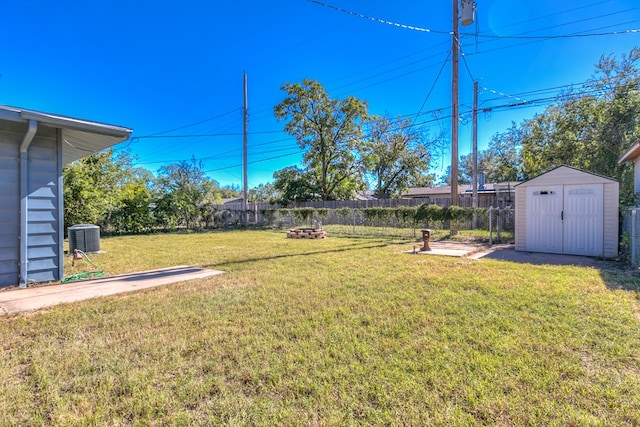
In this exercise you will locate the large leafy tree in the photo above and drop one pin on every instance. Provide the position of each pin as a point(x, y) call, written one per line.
point(394, 154)
point(591, 128)
point(501, 162)
point(328, 130)
point(91, 189)
point(107, 190)
point(293, 184)
point(185, 193)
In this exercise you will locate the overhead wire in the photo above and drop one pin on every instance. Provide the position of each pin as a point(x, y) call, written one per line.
point(358, 84)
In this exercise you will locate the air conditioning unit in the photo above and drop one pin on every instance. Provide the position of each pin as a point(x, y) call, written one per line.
point(85, 237)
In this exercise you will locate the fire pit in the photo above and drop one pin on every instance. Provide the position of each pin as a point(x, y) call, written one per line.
point(306, 233)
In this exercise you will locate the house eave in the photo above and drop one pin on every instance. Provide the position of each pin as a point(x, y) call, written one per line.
point(81, 137)
point(631, 155)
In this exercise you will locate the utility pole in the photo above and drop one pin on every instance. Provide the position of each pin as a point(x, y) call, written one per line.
point(468, 7)
point(475, 154)
point(455, 53)
point(245, 191)
point(475, 144)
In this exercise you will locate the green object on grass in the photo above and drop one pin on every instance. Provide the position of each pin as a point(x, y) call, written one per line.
point(83, 276)
point(86, 275)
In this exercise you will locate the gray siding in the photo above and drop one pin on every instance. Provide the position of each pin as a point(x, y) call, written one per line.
point(9, 208)
point(43, 217)
point(44, 193)
point(631, 225)
point(611, 219)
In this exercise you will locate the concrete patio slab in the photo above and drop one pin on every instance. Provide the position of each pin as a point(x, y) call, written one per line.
point(30, 299)
point(448, 249)
point(507, 252)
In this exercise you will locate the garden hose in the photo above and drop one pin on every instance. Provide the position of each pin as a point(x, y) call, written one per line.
point(78, 254)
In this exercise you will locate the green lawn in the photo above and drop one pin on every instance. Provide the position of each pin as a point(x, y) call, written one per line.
point(342, 331)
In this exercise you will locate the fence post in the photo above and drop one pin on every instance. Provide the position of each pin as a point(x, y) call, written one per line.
point(632, 240)
point(490, 225)
point(353, 212)
point(498, 225)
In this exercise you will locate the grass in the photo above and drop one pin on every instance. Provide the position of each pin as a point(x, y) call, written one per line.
point(342, 331)
point(478, 236)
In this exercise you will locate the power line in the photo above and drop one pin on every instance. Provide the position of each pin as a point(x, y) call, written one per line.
point(432, 87)
point(382, 21)
point(427, 30)
point(191, 124)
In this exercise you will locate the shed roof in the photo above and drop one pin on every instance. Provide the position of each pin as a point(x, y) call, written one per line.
point(564, 171)
point(80, 137)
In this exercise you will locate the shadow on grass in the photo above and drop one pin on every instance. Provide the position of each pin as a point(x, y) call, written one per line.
point(616, 275)
point(357, 247)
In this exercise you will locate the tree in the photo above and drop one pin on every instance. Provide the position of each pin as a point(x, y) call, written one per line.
point(90, 189)
point(394, 153)
point(588, 129)
point(184, 190)
point(328, 130)
point(264, 193)
point(293, 185)
point(135, 198)
point(445, 179)
point(585, 131)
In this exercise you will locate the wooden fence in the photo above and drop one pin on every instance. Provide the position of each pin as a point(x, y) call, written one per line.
point(265, 214)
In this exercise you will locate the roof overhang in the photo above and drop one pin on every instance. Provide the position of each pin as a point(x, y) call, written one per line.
point(631, 155)
point(80, 138)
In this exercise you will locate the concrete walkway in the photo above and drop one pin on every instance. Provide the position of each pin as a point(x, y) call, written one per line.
point(30, 299)
point(507, 252)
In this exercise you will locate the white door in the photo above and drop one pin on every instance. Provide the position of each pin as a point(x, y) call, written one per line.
point(583, 219)
point(544, 219)
point(565, 219)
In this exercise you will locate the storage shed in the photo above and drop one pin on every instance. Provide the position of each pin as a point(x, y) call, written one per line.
point(34, 146)
point(568, 211)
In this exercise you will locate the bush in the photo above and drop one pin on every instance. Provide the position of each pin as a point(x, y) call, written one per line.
point(303, 214)
point(406, 215)
point(457, 213)
point(344, 212)
point(428, 213)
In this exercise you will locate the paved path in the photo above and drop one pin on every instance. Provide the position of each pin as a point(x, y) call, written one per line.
point(507, 252)
point(19, 300)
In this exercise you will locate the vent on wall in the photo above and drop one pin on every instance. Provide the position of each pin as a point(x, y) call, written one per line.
point(85, 237)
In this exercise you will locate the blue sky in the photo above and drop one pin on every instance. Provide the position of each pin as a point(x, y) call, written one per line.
point(173, 71)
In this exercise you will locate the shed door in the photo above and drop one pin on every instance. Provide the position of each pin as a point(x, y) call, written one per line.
point(544, 219)
point(565, 219)
point(583, 219)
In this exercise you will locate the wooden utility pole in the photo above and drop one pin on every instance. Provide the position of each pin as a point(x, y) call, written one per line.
point(475, 144)
point(245, 190)
point(474, 200)
point(455, 48)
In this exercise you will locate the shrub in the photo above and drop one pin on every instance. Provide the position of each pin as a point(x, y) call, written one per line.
point(428, 213)
point(406, 215)
point(303, 214)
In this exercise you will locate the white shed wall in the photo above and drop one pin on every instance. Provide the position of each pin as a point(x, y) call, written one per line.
point(565, 175)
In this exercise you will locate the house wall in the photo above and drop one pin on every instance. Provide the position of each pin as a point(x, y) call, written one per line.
point(44, 226)
point(636, 176)
point(611, 219)
point(44, 205)
point(9, 207)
